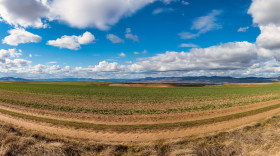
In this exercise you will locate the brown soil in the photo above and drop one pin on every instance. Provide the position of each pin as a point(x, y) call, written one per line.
point(144, 136)
point(248, 84)
point(135, 119)
point(96, 103)
point(141, 85)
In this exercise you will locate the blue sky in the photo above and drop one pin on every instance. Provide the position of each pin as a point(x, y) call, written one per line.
point(138, 38)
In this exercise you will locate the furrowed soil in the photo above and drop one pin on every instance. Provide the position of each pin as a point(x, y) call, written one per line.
point(145, 100)
point(258, 139)
point(135, 119)
point(156, 113)
point(144, 135)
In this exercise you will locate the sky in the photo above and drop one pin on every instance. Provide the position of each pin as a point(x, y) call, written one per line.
point(104, 39)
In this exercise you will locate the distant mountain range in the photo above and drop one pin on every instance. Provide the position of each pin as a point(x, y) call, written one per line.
point(196, 79)
point(13, 79)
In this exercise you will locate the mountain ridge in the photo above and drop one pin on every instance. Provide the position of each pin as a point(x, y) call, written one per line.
point(187, 79)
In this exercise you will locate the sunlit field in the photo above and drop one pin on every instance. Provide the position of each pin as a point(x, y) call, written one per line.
point(88, 98)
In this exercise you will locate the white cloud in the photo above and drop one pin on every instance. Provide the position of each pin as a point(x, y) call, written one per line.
point(230, 59)
point(136, 53)
point(5, 54)
point(223, 57)
point(18, 36)
point(30, 55)
point(104, 66)
point(269, 37)
point(188, 45)
point(243, 29)
point(122, 55)
point(7, 61)
point(114, 39)
point(236, 58)
point(72, 42)
point(129, 35)
point(87, 38)
point(16, 63)
point(207, 23)
point(100, 14)
point(23, 13)
point(265, 12)
point(203, 25)
point(162, 10)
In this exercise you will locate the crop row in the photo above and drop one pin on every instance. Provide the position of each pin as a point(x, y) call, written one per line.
point(130, 111)
point(122, 128)
point(141, 93)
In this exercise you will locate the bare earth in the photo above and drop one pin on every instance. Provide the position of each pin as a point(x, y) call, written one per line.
point(135, 119)
point(144, 135)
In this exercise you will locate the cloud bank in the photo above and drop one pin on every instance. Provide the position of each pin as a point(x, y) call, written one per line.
point(101, 14)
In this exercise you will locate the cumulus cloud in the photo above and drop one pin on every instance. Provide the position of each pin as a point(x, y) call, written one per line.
point(203, 25)
point(5, 54)
point(130, 36)
point(19, 35)
point(230, 59)
point(225, 56)
point(114, 39)
point(23, 13)
point(230, 56)
point(72, 42)
point(236, 58)
point(265, 12)
point(9, 59)
point(269, 37)
point(100, 14)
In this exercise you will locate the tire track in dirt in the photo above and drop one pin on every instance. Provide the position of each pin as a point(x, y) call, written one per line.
point(136, 136)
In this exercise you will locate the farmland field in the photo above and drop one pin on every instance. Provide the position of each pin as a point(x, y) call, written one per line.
point(84, 97)
point(134, 112)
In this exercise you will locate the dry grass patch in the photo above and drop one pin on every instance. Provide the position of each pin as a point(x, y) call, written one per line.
point(255, 139)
